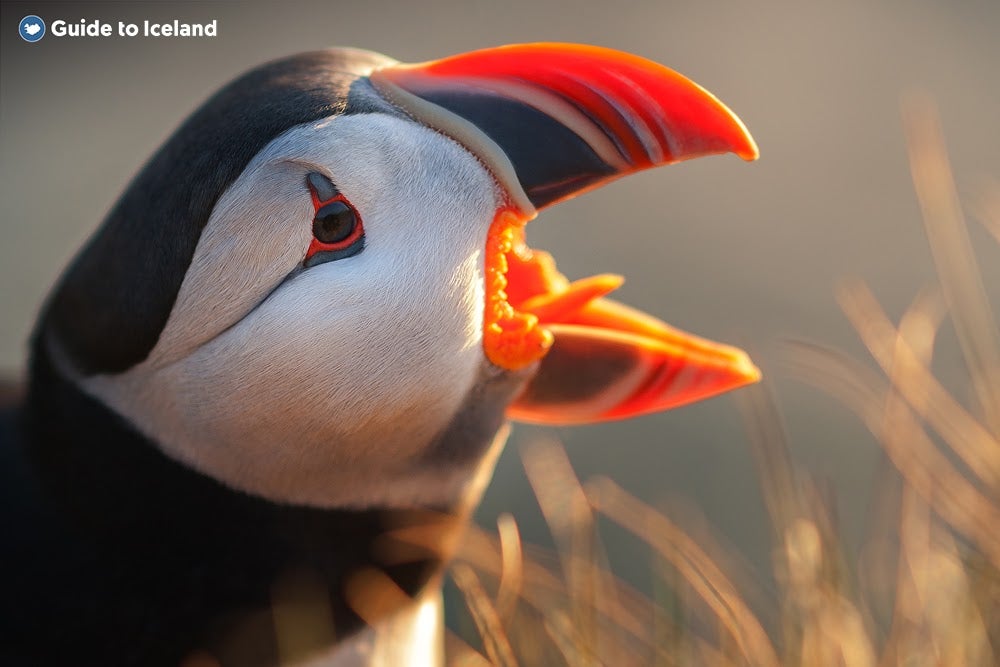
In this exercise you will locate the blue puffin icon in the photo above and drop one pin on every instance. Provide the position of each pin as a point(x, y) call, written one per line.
point(31, 28)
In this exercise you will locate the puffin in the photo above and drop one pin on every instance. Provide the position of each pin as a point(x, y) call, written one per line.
point(303, 330)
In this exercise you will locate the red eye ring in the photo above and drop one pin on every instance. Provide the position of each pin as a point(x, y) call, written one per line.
point(335, 217)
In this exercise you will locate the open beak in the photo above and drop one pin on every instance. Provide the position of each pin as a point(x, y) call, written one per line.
point(552, 121)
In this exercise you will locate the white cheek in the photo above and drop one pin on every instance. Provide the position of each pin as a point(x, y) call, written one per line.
point(328, 391)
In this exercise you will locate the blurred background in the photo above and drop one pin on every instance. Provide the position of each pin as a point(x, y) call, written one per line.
point(745, 253)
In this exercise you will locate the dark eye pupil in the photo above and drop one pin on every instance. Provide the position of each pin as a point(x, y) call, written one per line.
point(334, 222)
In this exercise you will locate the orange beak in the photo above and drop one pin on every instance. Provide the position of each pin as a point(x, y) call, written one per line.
point(552, 121)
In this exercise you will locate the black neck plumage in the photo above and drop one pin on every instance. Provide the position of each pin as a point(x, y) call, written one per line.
point(153, 550)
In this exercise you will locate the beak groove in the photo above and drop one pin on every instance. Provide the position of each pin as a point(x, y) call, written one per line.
point(554, 120)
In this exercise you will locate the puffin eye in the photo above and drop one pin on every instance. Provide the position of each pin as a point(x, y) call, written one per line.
point(337, 229)
point(334, 222)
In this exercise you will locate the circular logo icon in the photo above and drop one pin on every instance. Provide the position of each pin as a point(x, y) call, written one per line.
point(31, 28)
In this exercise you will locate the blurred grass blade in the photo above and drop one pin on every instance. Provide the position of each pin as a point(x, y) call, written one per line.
point(974, 444)
point(543, 590)
point(783, 500)
point(933, 594)
point(425, 535)
point(907, 445)
point(906, 637)
point(956, 263)
point(698, 570)
point(909, 357)
point(937, 620)
point(373, 595)
point(512, 574)
point(491, 629)
point(560, 629)
point(987, 209)
point(404, 626)
point(818, 621)
point(771, 456)
point(568, 515)
point(460, 654)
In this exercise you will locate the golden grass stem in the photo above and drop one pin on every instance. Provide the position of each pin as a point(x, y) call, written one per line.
point(987, 208)
point(567, 512)
point(911, 354)
point(907, 445)
point(951, 248)
point(973, 443)
point(771, 455)
point(460, 654)
point(512, 574)
point(712, 586)
point(628, 610)
point(485, 616)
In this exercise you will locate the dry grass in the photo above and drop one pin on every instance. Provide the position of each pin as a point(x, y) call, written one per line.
point(926, 590)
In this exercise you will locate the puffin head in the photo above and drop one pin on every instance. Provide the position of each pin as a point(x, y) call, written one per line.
point(318, 291)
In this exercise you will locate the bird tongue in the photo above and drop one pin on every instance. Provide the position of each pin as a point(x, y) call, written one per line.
point(598, 359)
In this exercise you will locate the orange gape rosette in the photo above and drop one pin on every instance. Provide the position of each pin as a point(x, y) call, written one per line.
point(511, 339)
point(524, 290)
